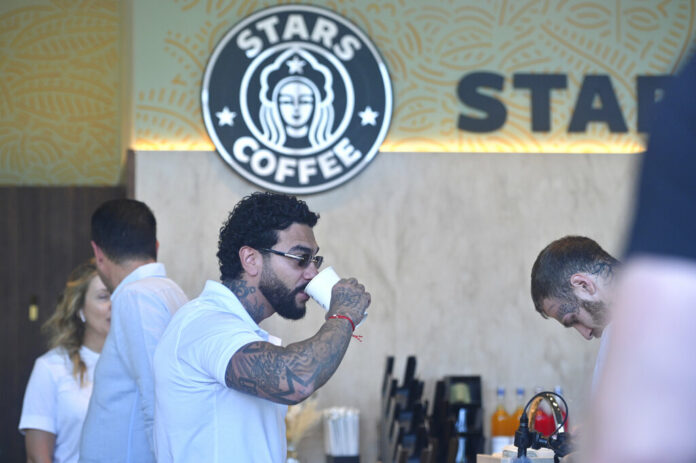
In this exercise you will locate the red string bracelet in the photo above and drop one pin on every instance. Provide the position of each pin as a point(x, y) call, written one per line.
point(352, 325)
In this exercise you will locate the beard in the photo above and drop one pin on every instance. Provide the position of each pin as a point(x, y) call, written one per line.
point(597, 310)
point(281, 298)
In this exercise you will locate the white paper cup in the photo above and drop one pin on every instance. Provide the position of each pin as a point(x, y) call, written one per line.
point(320, 287)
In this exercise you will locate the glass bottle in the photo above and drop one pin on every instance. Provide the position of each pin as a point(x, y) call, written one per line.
point(499, 428)
point(514, 421)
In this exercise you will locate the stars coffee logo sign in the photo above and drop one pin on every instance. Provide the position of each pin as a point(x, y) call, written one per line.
point(296, 99)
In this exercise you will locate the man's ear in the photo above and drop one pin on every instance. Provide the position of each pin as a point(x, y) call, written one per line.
point(98, 253)
point(583, 283)
point(251, 259)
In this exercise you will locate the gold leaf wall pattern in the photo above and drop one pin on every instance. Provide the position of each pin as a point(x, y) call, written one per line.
point(430, 45)
point(59, 93)
point(59, 73)
point(169, 117)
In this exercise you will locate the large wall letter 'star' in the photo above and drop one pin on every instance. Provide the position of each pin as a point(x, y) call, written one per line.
point(296, 99)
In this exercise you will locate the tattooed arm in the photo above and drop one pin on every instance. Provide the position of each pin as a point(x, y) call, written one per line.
point(289, 375)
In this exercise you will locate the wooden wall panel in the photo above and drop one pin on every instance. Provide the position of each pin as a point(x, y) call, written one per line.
point(44, 234)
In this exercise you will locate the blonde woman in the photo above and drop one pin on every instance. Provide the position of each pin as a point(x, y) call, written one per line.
point(58, 392)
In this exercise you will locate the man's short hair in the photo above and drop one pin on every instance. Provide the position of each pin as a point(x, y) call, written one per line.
point(255, 222)
point(560, 260)
point(125, 229)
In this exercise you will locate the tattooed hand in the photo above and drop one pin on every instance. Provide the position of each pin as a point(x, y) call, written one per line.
point(349, 298)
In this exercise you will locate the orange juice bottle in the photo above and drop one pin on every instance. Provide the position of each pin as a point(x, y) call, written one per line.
point(500, 436)
point(514, 421)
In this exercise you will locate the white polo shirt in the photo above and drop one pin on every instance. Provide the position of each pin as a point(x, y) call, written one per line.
point(56, 402)
point(601, 357)
point(197, 417)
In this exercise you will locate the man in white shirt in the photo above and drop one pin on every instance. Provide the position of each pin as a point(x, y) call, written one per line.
point(222, 387)
point(572, 282)
point(119, 422)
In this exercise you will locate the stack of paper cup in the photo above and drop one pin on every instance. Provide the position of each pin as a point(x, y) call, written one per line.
point(342, 431)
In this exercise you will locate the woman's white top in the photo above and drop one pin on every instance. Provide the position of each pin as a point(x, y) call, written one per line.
point(55, 402)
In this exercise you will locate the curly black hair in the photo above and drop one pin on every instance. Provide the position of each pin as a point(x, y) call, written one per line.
point(255, 222)
point(562, 258)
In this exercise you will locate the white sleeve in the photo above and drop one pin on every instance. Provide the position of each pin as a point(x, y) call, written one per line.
point(210, 342)
point(39, 407)
point(142, 319)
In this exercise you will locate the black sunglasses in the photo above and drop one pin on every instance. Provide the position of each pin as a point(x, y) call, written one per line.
point(303, 260)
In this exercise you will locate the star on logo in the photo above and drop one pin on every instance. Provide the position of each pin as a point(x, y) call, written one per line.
point(226, 117)
point(368, 116)
point(295, 65)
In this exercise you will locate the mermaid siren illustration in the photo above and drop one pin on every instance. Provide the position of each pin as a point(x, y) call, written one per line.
point(297, 102)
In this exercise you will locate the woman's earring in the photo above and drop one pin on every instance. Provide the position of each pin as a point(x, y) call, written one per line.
point(82, 316)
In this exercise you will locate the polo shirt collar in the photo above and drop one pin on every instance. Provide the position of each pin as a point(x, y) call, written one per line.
point(221, 296)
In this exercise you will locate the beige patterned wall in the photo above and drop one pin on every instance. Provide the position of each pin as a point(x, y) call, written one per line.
point(429, 45)
point(60, 118)
point(59, 92)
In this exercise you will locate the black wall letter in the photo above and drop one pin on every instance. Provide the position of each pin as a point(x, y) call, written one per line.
point(608, 112)
point(494, 108)
point(540, 86)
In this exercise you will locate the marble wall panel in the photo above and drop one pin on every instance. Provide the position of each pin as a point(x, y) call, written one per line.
point(444, 243)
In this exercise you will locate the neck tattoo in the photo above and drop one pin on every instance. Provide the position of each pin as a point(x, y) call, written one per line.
point(245, 294)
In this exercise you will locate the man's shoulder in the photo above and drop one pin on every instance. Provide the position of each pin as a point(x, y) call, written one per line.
point(159, 297)
point(203, 316)
point(203, 308)
point(152, 286)
point(151, 281)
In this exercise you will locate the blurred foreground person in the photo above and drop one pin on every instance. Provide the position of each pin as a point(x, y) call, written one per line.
point(646, 403)
point(57, 395)
point(222, 384)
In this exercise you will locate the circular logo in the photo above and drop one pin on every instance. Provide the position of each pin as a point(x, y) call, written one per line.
point(296, 99)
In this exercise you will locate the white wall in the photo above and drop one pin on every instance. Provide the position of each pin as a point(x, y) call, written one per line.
point(443, 242)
